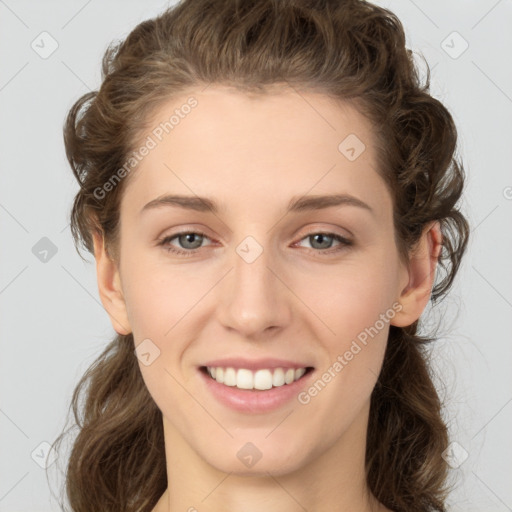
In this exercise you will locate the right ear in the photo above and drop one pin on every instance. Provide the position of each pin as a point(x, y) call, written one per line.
point(109, 286)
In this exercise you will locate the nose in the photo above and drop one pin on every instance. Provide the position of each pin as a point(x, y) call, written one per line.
point(253, 298)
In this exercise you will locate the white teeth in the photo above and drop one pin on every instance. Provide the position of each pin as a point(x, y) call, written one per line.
point(299, 372)
point(289, 376)
point(261, 379)
point(244, 379)
point(229, 377)
point(278, 377)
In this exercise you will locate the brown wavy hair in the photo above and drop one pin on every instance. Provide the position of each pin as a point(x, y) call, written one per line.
point(350, 50)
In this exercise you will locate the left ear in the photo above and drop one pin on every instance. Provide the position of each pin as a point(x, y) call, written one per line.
point(422, 270)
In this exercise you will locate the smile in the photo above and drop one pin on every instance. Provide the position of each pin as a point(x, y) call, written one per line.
point(262, 379)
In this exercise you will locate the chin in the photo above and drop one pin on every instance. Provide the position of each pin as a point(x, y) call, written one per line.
point(258, 458)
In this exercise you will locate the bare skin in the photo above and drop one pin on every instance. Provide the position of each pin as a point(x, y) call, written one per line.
point(298, 299)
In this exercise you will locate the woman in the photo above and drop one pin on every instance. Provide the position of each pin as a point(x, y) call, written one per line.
point(270, 194)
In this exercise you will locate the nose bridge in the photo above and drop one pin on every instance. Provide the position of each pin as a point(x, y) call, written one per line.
point(253, 299)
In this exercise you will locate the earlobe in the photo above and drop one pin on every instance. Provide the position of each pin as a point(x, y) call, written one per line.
point(109, 286)
point(421, 272)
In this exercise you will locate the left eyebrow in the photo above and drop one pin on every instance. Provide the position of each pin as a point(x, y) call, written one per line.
point(296, 204)
point(319, 202)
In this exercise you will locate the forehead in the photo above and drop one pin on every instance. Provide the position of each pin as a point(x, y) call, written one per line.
point(252, 147)
point(225, 115)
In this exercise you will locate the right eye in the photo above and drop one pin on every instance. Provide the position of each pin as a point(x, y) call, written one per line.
point(184, 238)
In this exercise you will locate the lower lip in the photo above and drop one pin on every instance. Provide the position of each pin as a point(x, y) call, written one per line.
point(255, 401)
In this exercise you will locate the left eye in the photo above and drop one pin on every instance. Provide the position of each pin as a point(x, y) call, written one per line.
point(321, 238)
point(193, 240)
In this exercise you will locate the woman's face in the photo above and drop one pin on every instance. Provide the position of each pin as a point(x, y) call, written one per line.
point(258, 288)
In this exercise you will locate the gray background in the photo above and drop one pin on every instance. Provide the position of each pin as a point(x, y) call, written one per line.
point(53, 325)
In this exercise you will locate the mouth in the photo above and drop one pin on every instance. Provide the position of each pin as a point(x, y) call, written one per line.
point(255, 386)
point(263, 379)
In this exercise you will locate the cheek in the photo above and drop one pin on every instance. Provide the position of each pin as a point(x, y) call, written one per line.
point(357, 311)
point(159, 295)
point(356, 302)
point(352, 296)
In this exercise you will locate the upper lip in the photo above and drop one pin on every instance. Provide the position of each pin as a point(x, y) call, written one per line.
point(255, 364)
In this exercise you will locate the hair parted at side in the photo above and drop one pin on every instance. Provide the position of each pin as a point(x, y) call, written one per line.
point(351, 50)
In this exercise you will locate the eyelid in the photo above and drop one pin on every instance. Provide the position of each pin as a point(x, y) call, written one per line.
point(184, 230)
point(313, 229)
point(331, 234)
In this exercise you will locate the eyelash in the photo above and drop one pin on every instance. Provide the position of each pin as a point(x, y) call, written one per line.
point(344, 243)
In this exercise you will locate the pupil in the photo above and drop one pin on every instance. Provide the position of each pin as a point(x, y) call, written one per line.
point(321, 237)
point(189, 238)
